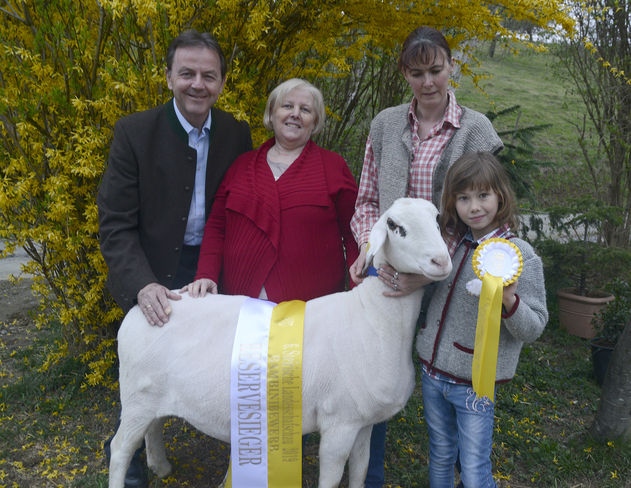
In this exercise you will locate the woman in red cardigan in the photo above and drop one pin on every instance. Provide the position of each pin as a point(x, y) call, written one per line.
point(279, 227)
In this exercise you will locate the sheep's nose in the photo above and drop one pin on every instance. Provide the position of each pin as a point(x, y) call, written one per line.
point(441, 261)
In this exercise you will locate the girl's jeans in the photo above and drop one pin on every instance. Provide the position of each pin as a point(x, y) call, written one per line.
point(460, 426)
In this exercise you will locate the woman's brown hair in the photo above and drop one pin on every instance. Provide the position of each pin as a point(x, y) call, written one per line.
point(422, 46)
point(479, 170)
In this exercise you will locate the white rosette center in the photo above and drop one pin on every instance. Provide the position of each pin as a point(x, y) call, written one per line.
point(498, 257)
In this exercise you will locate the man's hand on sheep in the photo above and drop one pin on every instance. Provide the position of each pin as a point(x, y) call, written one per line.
point(358, 266)
point(200, 287)
point(153, 300)
point(401, 283)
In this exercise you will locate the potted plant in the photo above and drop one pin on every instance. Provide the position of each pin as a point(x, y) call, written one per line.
point(580, 303)
point(584, 262)
point(609, 324)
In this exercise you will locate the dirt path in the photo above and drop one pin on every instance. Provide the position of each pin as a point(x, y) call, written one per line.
point(15, 299)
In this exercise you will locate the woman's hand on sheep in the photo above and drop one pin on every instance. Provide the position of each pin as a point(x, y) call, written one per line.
point(401, 283)
point(358, 266)
point(199, 288)
point(153, 300)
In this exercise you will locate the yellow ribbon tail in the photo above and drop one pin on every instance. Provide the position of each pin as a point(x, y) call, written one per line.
point(228, 483)
point(487, 337)
point(284, 395)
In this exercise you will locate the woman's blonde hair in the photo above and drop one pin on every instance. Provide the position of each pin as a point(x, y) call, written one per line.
point(478, 170)
point(281, 91)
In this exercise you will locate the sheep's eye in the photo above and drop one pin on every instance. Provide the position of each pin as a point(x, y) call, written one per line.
point(399, 229)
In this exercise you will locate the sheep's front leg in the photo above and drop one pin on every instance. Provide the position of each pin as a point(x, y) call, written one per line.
point(360, 455)
point(156, 455)
point(335, 446)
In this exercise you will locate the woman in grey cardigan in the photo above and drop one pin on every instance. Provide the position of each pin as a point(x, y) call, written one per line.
point(408, 151)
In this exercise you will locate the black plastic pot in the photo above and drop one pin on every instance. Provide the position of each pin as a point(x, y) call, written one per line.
point(601, 353)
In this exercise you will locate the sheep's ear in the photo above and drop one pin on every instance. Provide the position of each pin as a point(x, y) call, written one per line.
point(377, 238)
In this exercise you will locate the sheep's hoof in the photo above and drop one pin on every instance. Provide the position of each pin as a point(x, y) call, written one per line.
point(223, 483)
point(162, 470)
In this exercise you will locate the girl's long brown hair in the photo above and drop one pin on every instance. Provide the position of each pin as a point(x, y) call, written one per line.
point(478, 170)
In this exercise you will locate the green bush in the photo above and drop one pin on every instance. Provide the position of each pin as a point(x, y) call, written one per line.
point(565, 264)
point(612, 320)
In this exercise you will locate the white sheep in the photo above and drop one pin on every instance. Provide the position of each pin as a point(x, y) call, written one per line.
point(357, 357)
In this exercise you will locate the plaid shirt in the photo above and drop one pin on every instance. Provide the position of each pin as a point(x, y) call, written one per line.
point(427, 152)
point(454, 241)
point(505, 233)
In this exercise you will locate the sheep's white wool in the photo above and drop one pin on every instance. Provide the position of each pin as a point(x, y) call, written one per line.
point(357, 357)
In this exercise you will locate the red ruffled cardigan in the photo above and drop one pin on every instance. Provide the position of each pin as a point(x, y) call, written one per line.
point(291, 235)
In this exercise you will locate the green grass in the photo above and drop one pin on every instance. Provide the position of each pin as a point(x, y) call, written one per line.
point(532, 81)
point(49, 427)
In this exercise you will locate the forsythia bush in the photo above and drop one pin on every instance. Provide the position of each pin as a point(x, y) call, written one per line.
point(69, 69)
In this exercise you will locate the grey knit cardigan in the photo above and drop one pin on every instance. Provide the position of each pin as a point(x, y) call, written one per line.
point(445, 342)
point(391, 137)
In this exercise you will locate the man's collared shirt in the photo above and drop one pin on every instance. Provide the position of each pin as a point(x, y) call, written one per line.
point(200, 141)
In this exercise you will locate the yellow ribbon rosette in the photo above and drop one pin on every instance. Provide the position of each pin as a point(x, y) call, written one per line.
point(498, 263)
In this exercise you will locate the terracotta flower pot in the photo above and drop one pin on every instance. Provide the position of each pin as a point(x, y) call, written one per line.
point(576, 312)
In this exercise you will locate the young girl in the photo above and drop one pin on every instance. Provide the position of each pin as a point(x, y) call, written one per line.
point(477, 204)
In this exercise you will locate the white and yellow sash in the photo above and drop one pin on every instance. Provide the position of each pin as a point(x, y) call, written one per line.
point(266, 396)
